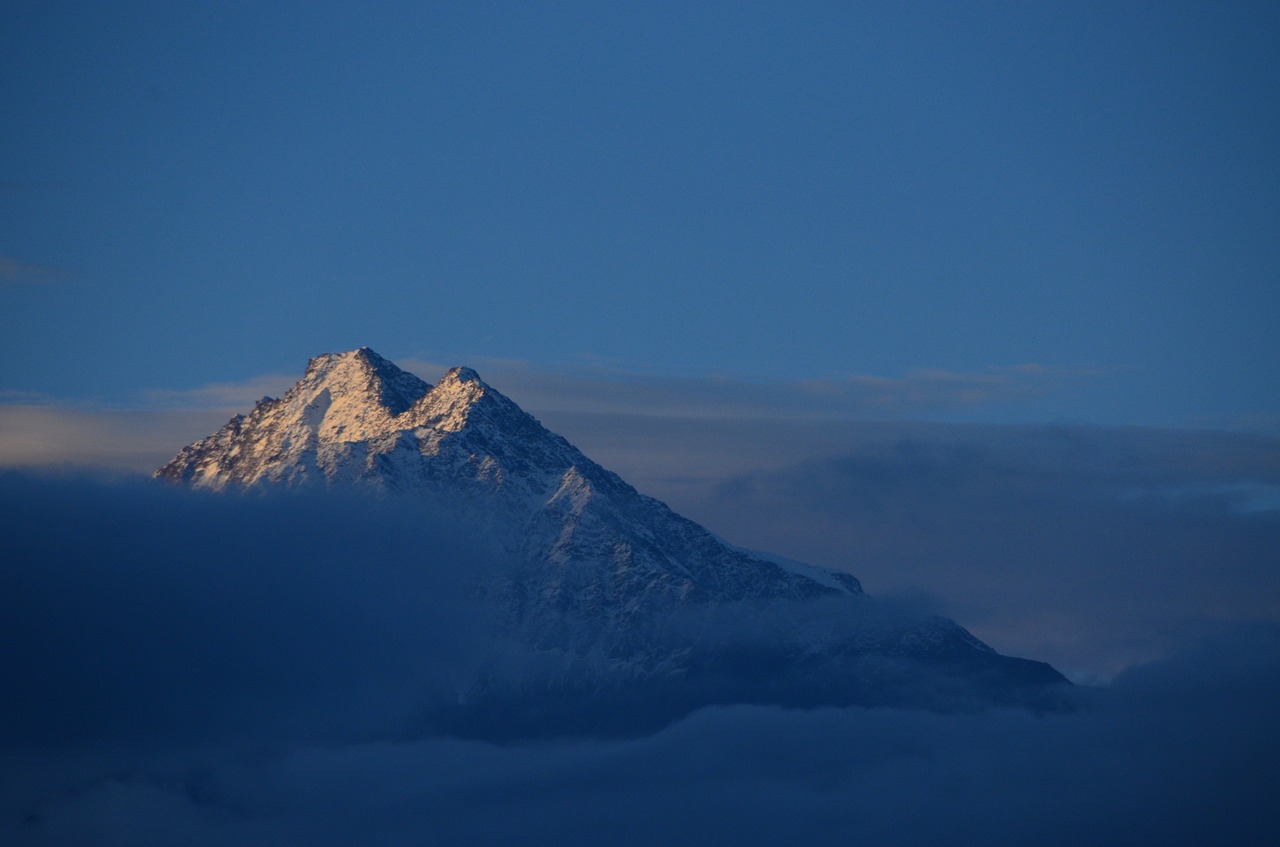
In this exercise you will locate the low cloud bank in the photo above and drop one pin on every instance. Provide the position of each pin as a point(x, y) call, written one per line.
point(1091, 549)
point(238, 670)
point(135, 609)
point(117, 441)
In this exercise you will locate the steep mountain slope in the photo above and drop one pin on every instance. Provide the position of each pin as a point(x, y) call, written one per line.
point(357, 419)
point(624, 590)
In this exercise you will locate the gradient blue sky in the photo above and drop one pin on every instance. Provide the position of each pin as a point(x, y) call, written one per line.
point(793, 268)
point(193, 193)
point(728, 250)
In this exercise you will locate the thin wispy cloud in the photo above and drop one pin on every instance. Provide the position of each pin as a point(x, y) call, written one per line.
point(38, 436)
point(223, 394)
point(38, 431)
point(919, 393)
point(9, 395)
point(936, 390)
point(13, 271)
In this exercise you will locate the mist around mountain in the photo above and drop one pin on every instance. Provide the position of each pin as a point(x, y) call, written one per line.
point(628, 615)
point(289, 664)
point(190, 668)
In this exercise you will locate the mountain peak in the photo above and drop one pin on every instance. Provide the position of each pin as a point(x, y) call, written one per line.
point(598, 569)
point(328, 362)
point(364, 377)
point(357, 419)
point(461, 399)
point(463, 374)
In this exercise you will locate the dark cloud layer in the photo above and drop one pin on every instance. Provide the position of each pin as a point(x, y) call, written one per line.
point(1087, 547)
point(138, 609)
point(208, 671)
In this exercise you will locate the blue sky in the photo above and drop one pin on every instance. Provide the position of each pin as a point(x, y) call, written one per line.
point(746, 255)
point(977, 301)
point(202, 193)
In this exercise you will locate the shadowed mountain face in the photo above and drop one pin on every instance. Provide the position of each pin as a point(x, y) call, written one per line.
point(622, 614)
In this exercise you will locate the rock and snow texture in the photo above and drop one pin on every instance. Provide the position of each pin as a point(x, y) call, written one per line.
point(357, 419)
point(600, 567)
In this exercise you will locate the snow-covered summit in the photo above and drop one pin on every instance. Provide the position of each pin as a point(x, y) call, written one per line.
point(599, 565)
point(363, 373)
point(357, 419)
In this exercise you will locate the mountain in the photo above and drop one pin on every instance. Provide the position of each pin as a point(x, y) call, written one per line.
point(645, 613)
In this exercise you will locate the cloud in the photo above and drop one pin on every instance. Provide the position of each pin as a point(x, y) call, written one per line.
point(239, 396)
point(603, 408)
point(117, 440)
point(1138, 769)
point(1092, 549)
point(215, 670)
point(611, 391)
point(147, 616)
point(38, 432)
point(12, 271)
